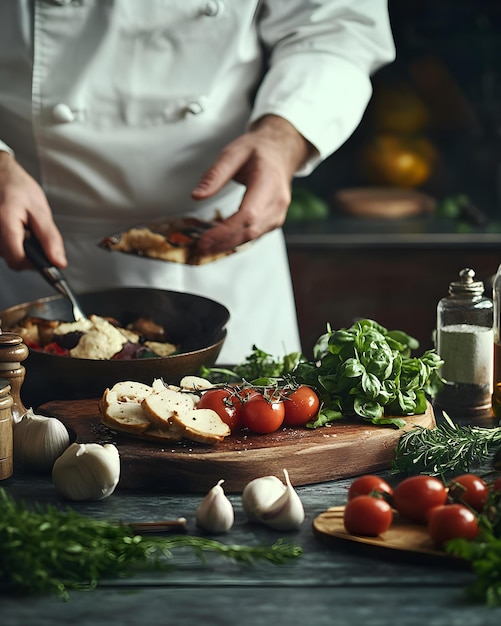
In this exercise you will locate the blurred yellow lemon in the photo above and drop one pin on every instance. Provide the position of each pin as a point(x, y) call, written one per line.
point(398, 160)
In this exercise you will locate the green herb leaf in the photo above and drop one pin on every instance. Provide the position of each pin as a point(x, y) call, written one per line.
point(53, 551)
point(443, 450)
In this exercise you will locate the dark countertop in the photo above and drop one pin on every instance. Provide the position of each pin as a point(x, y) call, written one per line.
point(426, 231)
point(327, 585)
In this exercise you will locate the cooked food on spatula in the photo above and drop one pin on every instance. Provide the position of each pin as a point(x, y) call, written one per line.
point(173, 239)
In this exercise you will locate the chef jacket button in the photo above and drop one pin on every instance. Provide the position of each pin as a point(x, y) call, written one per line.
point(213, 8)
point(62, 113)
point(196, 106)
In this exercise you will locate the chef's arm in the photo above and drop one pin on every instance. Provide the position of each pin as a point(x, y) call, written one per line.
point(322, 54)
point(23, 205)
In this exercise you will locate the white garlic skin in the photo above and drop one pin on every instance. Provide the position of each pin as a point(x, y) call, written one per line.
point(87, 471)
point(268, 501)
point(215, 512)
point(38, 441)
point(287, 513)
point(259, 495)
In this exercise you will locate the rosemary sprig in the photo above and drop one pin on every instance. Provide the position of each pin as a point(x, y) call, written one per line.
point(53, 551)
point(443, 450)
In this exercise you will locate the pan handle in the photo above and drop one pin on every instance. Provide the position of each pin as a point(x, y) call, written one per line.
point(52, 274)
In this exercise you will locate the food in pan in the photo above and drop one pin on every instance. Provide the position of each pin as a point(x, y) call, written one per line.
point(172, 240)
point(96, 338)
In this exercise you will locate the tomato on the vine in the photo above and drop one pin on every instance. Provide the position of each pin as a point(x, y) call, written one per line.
point(262, 415)
point(367, 515)
point(469, 489)
point(414, 497)
point(368, 484)
point(452, 521)
point(301, 406)
point(225, 403)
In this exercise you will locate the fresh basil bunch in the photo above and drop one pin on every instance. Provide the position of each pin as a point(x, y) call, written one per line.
point(368, 371)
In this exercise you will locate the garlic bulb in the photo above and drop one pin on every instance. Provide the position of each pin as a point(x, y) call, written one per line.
point(87, 471)
point(38, 441)
point(215, 512)
point(259, 495)
point(268, 501)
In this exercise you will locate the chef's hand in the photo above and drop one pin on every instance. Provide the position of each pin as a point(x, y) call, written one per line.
point(264, 159)
point(23, 205)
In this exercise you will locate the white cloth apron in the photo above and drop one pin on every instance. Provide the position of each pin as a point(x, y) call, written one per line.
point(118, 108)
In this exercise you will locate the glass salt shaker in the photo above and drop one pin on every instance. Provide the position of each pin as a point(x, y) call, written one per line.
point(465, 342)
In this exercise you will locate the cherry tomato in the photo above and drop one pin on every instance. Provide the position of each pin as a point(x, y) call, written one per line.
point(225, 403)
point(367, 515)
point(301, 405)
point(469, 489)
point(367, 485)
point(414, 497)
point(451, 521)
point(261, 415)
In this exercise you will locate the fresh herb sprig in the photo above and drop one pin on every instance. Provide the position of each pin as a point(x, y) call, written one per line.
point(484, 553)
point(257, 365)
point(47, 550)
point(443, 450)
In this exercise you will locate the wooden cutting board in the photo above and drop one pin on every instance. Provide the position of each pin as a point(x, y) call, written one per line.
point(346, 449)
point(403, 539)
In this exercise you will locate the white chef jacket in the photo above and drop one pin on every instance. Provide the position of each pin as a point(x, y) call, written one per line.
point(117, 108)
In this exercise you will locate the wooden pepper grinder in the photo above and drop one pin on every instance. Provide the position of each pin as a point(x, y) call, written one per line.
point(12, 351)
point(6, 431)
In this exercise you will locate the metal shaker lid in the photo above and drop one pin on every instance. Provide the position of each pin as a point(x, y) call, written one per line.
point(466, 286)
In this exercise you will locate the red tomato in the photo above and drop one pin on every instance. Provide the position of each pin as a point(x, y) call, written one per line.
point(469, 489)
point(366, 515)
point(301, 405)
point(261, 415)
point(225, 403)
point(452, 521)
point(414, 497)
point(368, 484)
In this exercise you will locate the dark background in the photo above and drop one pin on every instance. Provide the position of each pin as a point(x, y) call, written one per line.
point(346, 267)
point(449, 55)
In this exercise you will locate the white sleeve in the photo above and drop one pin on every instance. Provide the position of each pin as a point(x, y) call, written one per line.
point(322, 54)
point(5, 148)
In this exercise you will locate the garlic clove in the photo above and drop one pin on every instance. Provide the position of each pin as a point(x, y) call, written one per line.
point(286, 513)
point(268, 501)
point(260, 494)
point(38, 441)
point(87, 471)
point(215, 512)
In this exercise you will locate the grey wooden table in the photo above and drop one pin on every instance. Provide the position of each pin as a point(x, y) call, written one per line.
point(327, 585)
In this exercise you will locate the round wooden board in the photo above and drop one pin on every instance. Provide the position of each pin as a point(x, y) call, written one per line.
point(402, 539)
point(383, 202)
point(347, 448)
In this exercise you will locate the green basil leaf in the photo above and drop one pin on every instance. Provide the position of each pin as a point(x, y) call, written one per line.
point(352, 368)
point(367, 408)
point(371, 385)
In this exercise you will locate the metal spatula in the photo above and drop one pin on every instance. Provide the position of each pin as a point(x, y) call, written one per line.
point(52, 274)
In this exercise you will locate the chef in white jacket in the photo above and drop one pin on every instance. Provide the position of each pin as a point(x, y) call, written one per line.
point(118, 112)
